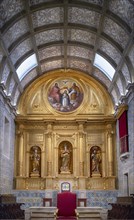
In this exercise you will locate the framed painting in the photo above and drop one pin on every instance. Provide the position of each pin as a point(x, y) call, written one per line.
point(47, 202)
point(82, 202)
point(65, 95)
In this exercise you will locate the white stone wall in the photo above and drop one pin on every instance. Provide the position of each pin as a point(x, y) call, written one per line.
point(131, 144)
point(126, 166)
point(6, 147)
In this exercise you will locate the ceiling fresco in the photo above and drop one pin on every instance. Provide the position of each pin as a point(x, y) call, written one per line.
point(66, 34)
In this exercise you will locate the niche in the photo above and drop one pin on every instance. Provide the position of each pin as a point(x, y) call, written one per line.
point(35, 161)
point(95, 161)
point(65, 158)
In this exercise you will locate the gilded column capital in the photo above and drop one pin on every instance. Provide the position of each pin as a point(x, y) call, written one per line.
point(49, 127)
point(110, 134)
point(20, 133)
point(81, 134)
point(109, 129)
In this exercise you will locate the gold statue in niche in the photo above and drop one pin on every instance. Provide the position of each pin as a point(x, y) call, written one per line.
point(65, 158)
point(95, 156)
point(35, 158)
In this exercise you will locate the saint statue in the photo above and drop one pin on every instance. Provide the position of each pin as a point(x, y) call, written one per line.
point(96, 160)
point(35, 157)
point(65, 159)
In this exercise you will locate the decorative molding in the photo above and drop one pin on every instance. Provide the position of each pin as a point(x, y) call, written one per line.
point(124, 100)
point(7, 99)
point(124, 157)
point(120, 109)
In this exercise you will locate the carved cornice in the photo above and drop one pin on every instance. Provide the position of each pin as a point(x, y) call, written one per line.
point(120, 110)
point(124, 157)
point(7, 99)
point(130, 92)
point(124, 100)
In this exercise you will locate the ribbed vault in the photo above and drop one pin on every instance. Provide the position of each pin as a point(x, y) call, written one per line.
point(66, 34)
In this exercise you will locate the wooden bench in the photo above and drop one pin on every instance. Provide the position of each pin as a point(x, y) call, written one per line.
point(122, 209)
point(9, 209)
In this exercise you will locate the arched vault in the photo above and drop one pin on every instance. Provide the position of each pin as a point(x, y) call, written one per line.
point(93, 36)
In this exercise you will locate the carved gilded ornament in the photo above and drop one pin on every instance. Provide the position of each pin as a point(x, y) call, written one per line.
point(65, 95)
point(50, 122)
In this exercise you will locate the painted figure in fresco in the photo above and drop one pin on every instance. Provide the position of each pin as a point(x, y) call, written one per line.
point(55, 93)
point(74, 93)
point(65, 101)
point(65, 157)
point(65, 98)
point(35, 157)
point(96, 159)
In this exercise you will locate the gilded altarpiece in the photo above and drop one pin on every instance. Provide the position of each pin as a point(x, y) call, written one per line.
point(65, 132)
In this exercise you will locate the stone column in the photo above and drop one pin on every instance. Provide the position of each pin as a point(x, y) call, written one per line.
point(110, 151)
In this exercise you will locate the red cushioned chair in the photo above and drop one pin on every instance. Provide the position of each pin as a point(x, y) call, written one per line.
point(66, 206)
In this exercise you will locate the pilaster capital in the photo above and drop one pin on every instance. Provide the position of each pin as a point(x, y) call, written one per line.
point(20, 133)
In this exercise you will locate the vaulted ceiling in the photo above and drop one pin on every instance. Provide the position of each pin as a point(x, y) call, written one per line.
point(66, 34)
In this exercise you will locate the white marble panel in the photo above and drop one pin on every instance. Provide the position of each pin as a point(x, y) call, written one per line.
point(20, 50)
point(80, 52)
point(16, 31)
point(36, 2)
point(5, 73)
point(126, 73)
point(49, 36)
point(81, 36)
point(102, 77)
point(114, 95)
point(1, 55)
point(109, 50)
point(50, 52)
point(120, 86)
point(81, 65)
point(47, 16)
point(11, 86)
point(124, 9)
point(29, 77)
point(16, 97)
point(116, 32)
point(131, 55)
point(96, 2)
point(47, 66)
point(10, 8)
point(83, 16)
